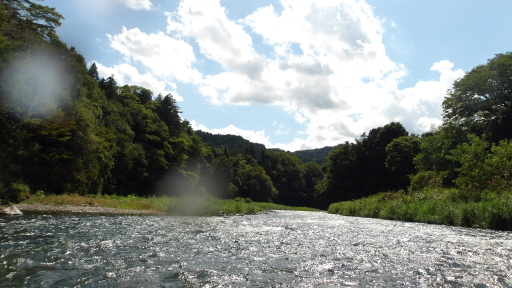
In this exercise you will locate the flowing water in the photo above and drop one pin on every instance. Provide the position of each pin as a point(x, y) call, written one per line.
point(278, 249)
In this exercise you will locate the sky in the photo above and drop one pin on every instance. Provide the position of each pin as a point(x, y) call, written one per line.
point(291, 74)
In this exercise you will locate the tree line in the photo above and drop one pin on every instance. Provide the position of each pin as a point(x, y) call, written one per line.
point(65, 129)
point(470, 152)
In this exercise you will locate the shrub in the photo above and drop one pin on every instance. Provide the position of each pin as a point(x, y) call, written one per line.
point(14, 193)
point(500, 163)
point(426, 179)
point(473, 173)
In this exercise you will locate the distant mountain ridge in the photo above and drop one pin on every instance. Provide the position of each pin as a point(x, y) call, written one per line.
point(238, 144)
point(234, 143)
point(318, 155)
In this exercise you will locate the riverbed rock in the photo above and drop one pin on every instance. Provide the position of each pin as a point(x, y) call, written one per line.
point(10, 210)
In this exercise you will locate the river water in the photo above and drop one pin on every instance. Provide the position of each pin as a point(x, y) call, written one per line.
point(277, 249)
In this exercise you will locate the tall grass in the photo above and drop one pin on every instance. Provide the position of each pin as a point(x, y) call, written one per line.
point(157, 204)
point(197, 206)
point(435, 206)
point(207, 206)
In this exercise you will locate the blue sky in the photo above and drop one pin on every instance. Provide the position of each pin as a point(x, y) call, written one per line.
point(291, 74)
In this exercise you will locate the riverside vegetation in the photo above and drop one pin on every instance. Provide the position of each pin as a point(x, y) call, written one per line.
point(66, 130)
point(193, 206)
point(461, 173)
point(434, 206)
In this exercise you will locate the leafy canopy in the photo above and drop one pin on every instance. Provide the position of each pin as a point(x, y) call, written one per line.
point(481, 101)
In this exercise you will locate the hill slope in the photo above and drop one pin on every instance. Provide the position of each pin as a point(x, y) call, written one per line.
point(234, 143)
point(318, 155)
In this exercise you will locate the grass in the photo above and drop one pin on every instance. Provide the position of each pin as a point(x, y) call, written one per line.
point(200, 206)
point(435, 206)
point(212, 206)
point(158, 204)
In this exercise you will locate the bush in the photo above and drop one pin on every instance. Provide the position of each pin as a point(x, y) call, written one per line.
point(426, 179)
point(473, 172)
point(14, 193)
point(483, 167)
point(243, 200)
point(500, 163)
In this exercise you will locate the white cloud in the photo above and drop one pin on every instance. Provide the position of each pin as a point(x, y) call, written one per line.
point(329, 64)
point(137, 4)
point(164, 56)
point(283, 131)
point(425, 124)
point(219, 38)
point(323, 62)
point(127, 74)
point(421, 104)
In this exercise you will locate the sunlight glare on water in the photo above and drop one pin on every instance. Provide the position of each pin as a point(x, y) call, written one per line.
point(285, 249)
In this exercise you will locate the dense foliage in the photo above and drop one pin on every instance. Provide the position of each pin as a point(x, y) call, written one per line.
point(318, 155)
point(66, 130)
point(481, 102)
point(464, 168)
point(234, 143)
point(356, 170)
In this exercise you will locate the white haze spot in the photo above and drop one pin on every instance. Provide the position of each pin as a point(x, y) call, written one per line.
point(192, 196)
point(37, 83)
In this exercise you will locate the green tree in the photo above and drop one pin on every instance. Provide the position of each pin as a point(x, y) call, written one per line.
point(169, 113)
point(287, 173)
point(143, 148)
point(433, 159)
point(46, 126)
point(376, 176)
point(313, 174)
point(48, 157)
point(473, 176)
point(93, 72)
point(484, 167)
point(356, 170)
point(28, 22)
point(399, 161)
point(223, 176)
point(96, 160)
point(109, 87)
point(256, 184)
point(499, 163)
point(481, 101)
point(344, 177)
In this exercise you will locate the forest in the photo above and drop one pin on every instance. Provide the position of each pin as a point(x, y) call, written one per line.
point(65, 129)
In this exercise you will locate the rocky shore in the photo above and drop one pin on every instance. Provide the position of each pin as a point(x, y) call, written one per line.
point(82, 209)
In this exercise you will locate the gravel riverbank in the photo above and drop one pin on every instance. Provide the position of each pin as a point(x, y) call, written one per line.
point(82, 209)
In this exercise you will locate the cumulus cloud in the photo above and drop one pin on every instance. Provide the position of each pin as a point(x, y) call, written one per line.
point(163, 56)
point(220, 39)
point(127, 74)
point(421, 105)
point(418, 108)
point(323, 62)
point(336, 49)
point(425, 124)
point(164, 61)
point(328, 67)
point(137, 4)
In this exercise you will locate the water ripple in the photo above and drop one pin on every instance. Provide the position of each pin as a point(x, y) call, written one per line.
point(279, 249)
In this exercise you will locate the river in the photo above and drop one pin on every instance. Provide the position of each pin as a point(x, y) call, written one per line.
point(277, 249)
